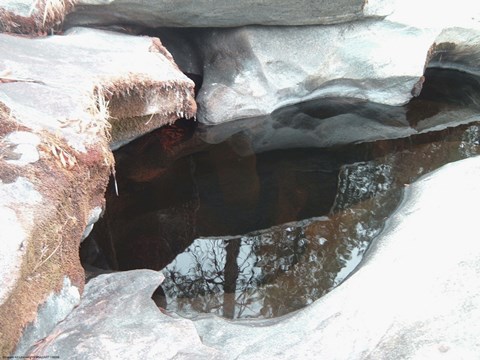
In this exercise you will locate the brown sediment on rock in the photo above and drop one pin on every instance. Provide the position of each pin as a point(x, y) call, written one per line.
point(139, 95)
point(162, 103)
point(51, 249)
point(8, 121)
point(43, 17)
point(71, 183)
point(138, 104)
point(138, 126)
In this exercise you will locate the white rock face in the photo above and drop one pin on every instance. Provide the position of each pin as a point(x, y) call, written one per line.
point(117, 319)
point(15, 228)
point(25, 147)
point(221, 13)
point(253, 71)
point(436, 14)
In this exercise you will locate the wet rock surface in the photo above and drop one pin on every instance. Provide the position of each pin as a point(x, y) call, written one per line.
point(448, 98)
point(253, 71)
point(118, 319)
point(224, 13)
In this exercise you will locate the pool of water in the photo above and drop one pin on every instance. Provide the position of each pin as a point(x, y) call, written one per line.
point(259, 218)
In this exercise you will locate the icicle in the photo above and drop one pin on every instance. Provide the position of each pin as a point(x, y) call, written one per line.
point(151, 117)
point(115, 179)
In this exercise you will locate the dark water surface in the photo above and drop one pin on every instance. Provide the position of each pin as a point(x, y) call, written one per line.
point(259, 218)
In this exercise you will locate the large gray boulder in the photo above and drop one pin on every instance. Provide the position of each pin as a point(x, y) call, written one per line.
point(255, 70)
point(222, 13)
point(452, 98)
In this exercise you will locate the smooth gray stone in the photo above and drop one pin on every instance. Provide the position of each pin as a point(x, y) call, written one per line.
point(318, 123)
point(340, 121)
point(221, 13)
point(117, 319)
point(252, 71)
point(458, 48)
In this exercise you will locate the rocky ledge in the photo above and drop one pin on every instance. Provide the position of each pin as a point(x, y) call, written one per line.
point(64, 101)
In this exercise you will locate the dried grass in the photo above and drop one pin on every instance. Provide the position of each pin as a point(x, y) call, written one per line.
point(100, 112)
point(52, 9)
point(43, 17)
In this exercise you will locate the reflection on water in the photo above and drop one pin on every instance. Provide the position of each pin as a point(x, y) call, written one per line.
point(278, 270)
point(242, 230)
point(287, 267)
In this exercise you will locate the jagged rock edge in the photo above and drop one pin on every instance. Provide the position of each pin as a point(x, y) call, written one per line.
point(44, 16)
